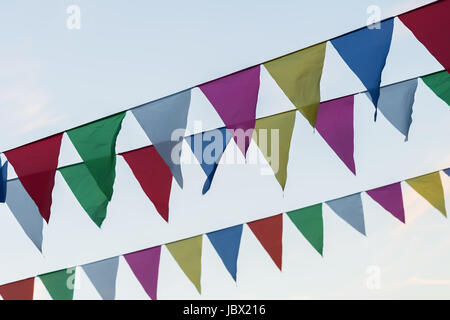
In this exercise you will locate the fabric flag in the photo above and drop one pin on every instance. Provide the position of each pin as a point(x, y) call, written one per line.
point(309, 222)
point(87, 191)
point(227, 243)
point(335, 125)
point(103, 276)
point(19, 290)
point(145, 266)
point(60, 284)
point(153, 175)
point(3, 181)
point(430, 25)
point(208, 148)
point(35, 165)
point(235, 98)
point(390, 198)
point(447, 171)
point(25, 211)
point(269, 232)
point(365, 52)
point(164, 122)
point(96, 144)
point(396, 103)
point(298, 74)
point(188, 254)
point(439, 83)
point(350, 209)
point(430, 187)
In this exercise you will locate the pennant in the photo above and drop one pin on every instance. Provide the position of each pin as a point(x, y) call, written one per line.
point(25, 211)
point(390, 198)
point(430, 187)
point(153, 175)
point(227, 243)
point(164, 122)
point(188, 254)
point(96, 143)
point(60, 284)
point(439, 83)
point(309, 222)
point(447, 171)
point(298, 74)
point(429, 25)
point(269, 232)
point(396, 103)
point(365, 52)
point(35, 165)
point(19, 290)
point(350, 209)
point(335, 125)
point(276, 150)
point(87, 191)
point(235, 98)
point(3, 181)
point(103, 276)
point(145, 266)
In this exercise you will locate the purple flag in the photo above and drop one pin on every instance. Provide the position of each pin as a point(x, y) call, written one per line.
point(145, 266)
point(235, 98)
point(335, 125)
point(390, 198)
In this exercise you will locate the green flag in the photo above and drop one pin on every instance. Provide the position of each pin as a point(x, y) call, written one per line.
point(429, 186)
point(310, 223)
point(439, 83)
point(60, 284)
point(298, 74)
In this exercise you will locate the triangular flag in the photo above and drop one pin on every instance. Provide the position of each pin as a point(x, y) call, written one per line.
point(439, 83)
point(25, 211)
point(145, 266)
point(430, 187)
point(298, 74)
point(227, 243)
point(153, 175)
point(96, 143)
point(365, 52)
point(87, 191)
point(276, 150)
point(35, 165)
point(235, 98)
point(350, 209)
point(3, 181)
point(269, 232)
point(396, 103)
point(447, 171)
point(430, 25)
point(103, 276)
point(335, 125)
point(208, 148)
point(188, 254)
point(60, 284)
point(309, 221)
point(19, 290)
point(390, 198)
point(164, 122)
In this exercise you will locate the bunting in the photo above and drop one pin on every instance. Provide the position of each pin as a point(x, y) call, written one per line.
point(390, 198)
point(19, 290)
point(429, 186)
point(439, 83)
point(3, 180)
point(60, 284)
point(103, 276)
point(447, 171)
point(350, 210)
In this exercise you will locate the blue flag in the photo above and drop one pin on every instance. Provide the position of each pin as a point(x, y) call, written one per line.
point(447, 171)
point(103, 276)
point(3, 180)
point(350, 209)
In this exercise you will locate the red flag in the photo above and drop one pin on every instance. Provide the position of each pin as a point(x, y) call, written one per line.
point(35, 165)
point(19, 290)
point(269, 232)
point(153, 175)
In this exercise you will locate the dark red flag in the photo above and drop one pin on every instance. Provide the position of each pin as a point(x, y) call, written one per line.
point(19, 290)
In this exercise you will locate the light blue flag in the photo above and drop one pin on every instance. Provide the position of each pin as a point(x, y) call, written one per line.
point(164, 122)
point(350, 209)
point(227, 243)
point(208, 148)
point(365, 52)
point(25, 211)
point(103, 275)
point(3, 181)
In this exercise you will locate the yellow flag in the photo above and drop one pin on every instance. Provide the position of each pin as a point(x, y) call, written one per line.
point(430, 187)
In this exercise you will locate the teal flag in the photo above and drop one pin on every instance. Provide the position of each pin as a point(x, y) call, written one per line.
point(60, 284)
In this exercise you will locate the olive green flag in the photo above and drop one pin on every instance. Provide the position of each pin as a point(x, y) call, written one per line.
point(309, 221)
point(273, 136)
point(439, 83)
point(60, 284)
point(429, 186)
point(188, 254)
point(298, 74)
